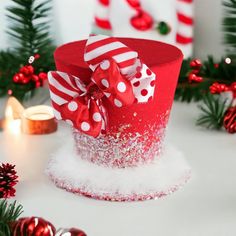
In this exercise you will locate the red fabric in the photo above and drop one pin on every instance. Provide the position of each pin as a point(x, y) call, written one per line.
point(163, 59)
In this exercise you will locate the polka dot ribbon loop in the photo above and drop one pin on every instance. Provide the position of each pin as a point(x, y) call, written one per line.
point(114, 86)
point(118, 75)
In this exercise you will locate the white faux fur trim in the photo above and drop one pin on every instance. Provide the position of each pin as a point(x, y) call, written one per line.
point(161, 177)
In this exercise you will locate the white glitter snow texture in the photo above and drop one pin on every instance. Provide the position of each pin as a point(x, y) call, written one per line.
point(159, 178)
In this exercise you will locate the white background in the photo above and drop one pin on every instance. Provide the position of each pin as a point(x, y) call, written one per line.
point(72, 20)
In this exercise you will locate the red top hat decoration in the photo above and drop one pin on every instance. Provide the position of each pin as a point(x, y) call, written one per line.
point(117, 95)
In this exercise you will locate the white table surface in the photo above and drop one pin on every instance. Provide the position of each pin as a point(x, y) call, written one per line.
point(206, 206)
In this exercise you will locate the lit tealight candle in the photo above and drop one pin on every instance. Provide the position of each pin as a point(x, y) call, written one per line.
point(38, 120)
point(11, 125)
point(12, 121)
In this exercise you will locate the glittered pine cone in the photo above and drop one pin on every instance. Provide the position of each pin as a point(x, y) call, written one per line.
point(230, 120)
point(32, 226)
point(8, 179)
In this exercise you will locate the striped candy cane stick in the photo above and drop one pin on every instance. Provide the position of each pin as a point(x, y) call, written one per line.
point(102, 23)
point(185, 22)
point(184, 11)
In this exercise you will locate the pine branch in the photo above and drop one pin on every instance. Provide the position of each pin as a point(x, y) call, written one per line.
point(229, 26)
point(29, 31)
point(8, 213)
point(213, 110)
point(211, 71)
point(27, 18)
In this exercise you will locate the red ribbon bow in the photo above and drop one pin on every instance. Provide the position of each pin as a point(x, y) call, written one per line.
point(115, 76)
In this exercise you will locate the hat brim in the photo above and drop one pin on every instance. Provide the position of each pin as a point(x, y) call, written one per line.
point(166, 174)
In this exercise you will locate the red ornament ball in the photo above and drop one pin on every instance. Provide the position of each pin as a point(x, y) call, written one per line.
point(142, 21)
point(32, 226)
point(230, 120)
point(70, 232)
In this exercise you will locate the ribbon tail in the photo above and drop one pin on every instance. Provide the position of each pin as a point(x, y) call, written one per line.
point(143, 84)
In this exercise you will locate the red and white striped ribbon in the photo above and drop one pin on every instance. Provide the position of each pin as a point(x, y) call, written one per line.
point(100, 47)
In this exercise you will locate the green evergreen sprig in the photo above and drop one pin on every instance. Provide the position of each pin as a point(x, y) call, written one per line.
point(229, 27)
point(29, 28)
point(29, 31)
point(8, 213)
point(212, 71)
point(213, 109)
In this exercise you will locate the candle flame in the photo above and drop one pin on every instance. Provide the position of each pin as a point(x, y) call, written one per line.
point(12, 125)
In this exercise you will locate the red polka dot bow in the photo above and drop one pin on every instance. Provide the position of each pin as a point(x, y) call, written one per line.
point(118, 75)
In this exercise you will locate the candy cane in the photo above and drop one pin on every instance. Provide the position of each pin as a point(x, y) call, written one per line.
point(101, 19)
point(184, 35)
point(185, 22)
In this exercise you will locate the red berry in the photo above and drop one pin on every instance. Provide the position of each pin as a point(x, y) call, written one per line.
point(36, 56)
point(16, 78)
point(196, 63)
point(35, 78)
point(233, 86)
point(30, 69)
point(194, 78)
point(21, 76)
point(37, 84)
point(43, 76)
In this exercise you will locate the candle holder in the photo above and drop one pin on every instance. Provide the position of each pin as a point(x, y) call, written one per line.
point(38, 120)
point(33, 120)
